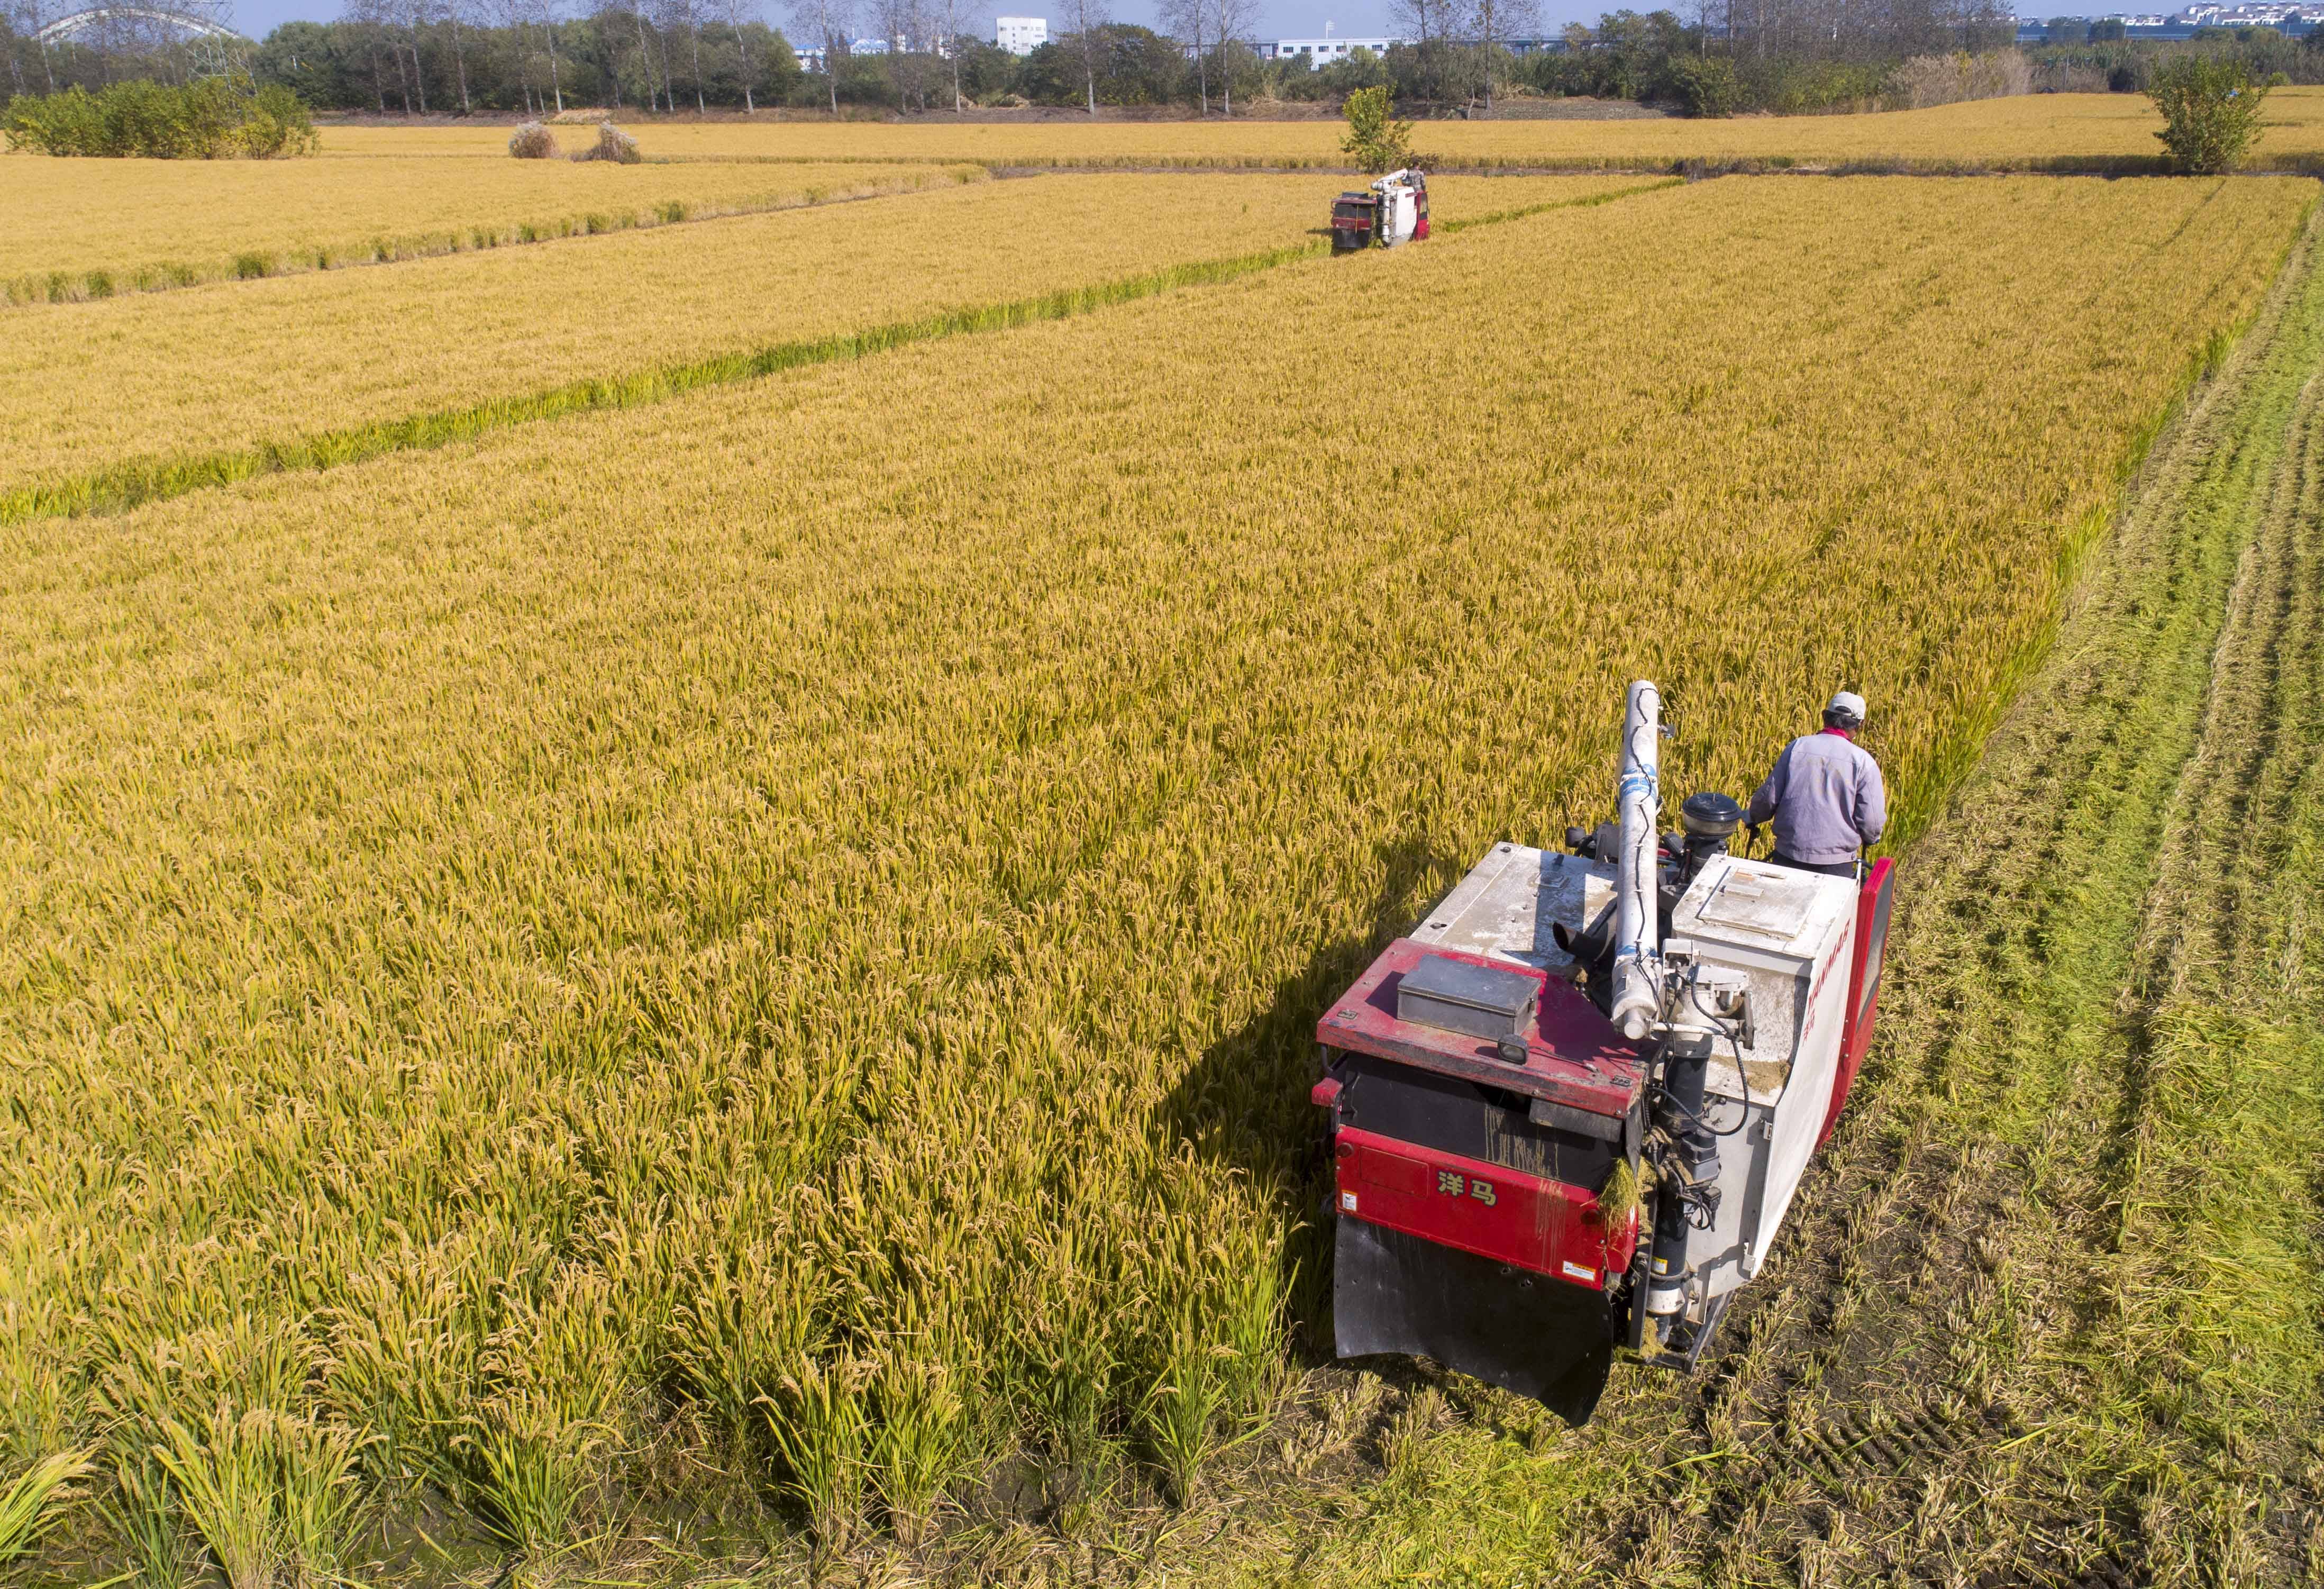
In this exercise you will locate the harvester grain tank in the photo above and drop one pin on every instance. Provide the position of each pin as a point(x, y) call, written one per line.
point(1570, 1109)
point(1391, 211)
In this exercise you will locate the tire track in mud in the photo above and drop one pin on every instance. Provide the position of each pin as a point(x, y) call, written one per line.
point(1885, 1412)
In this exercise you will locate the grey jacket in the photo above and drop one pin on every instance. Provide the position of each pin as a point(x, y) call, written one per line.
point(1826, 798)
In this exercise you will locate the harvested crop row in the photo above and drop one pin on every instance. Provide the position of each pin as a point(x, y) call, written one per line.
point(819, 892)
point(80, 230)
point(2031, 132)
point(90, 388)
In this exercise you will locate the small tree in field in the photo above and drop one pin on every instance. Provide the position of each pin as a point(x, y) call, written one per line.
point(2210, 111)
point(1375, 138)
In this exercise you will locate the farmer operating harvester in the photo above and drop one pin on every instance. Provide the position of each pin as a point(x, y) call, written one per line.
point(1569, 1110)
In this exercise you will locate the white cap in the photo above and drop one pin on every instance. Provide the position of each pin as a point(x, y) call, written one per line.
point(1848, 704)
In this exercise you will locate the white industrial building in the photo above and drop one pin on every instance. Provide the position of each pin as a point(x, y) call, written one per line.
point(1020, 35)
point(1323, 52)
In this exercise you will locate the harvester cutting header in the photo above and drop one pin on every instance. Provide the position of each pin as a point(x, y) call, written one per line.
point(1569, 1110)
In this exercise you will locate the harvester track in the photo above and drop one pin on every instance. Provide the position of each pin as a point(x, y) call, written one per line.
point(1900, 1406)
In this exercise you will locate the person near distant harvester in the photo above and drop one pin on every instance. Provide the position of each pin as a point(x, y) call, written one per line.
point(1825, 795)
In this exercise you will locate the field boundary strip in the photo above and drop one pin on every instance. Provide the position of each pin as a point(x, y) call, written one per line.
point(93, 285)
point(123, 486)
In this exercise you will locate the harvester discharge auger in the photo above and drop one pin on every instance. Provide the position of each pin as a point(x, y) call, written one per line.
point(1569, 1110)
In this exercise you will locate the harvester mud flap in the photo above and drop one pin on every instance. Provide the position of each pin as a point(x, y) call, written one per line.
point(1522, 1332)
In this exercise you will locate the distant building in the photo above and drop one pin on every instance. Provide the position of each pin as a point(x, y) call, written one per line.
point(2295, 18)
point(1320, 53)
point(1020, 35)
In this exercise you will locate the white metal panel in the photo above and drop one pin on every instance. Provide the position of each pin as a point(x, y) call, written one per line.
point(1754, 904)
point(1788, 933)
point(1510, 901)
point(1798, 1118)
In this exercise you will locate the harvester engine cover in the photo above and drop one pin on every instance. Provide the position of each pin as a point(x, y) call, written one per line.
point(1520, 1190)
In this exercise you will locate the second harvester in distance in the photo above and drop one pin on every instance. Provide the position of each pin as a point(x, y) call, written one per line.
point(1392, 210)
point(1568, 1111)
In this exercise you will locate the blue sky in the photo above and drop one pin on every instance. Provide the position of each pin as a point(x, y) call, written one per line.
point(1286, 18)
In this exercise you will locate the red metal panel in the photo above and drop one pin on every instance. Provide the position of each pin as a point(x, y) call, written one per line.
point(1872, 902)
point(1489, 1209)
point(1576, 1057)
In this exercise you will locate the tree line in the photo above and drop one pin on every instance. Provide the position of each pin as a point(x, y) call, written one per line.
point(539, 57)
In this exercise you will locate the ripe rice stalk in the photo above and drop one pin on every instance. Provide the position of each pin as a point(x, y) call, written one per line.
point(930, 797)
point(30, 1501)
point(821, 1429)
point(321, 1504)
point(2109, 134)
point(918, 1429)
point(146, 230)
point(204, 1428)
point(93, 400)
point(556, 1376)
point(148, 1521)
point(744, 1319)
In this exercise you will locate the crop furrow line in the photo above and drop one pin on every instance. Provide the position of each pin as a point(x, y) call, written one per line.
point(121, 487)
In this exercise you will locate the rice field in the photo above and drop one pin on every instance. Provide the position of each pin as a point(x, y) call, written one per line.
point(85, 388)
point(770, 938)
point(2031, 132)
point(80, 230)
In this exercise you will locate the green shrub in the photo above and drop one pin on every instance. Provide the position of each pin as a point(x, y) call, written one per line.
point(1377, 140)
point(205, 120)
point(1706, 85)
point(277, 124)
point(57, 124)
point(2210, 111)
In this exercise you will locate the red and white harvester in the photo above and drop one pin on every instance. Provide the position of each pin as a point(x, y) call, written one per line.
point(1569, 1110)
point(1391, 211)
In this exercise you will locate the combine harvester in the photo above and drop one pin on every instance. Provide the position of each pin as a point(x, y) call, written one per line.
point(1568, 1112)
point(1391, 211)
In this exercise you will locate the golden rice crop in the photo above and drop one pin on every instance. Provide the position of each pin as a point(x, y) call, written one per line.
point(91, 229)
point(85, 386)
point(810, 900)
point(2031, 131)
